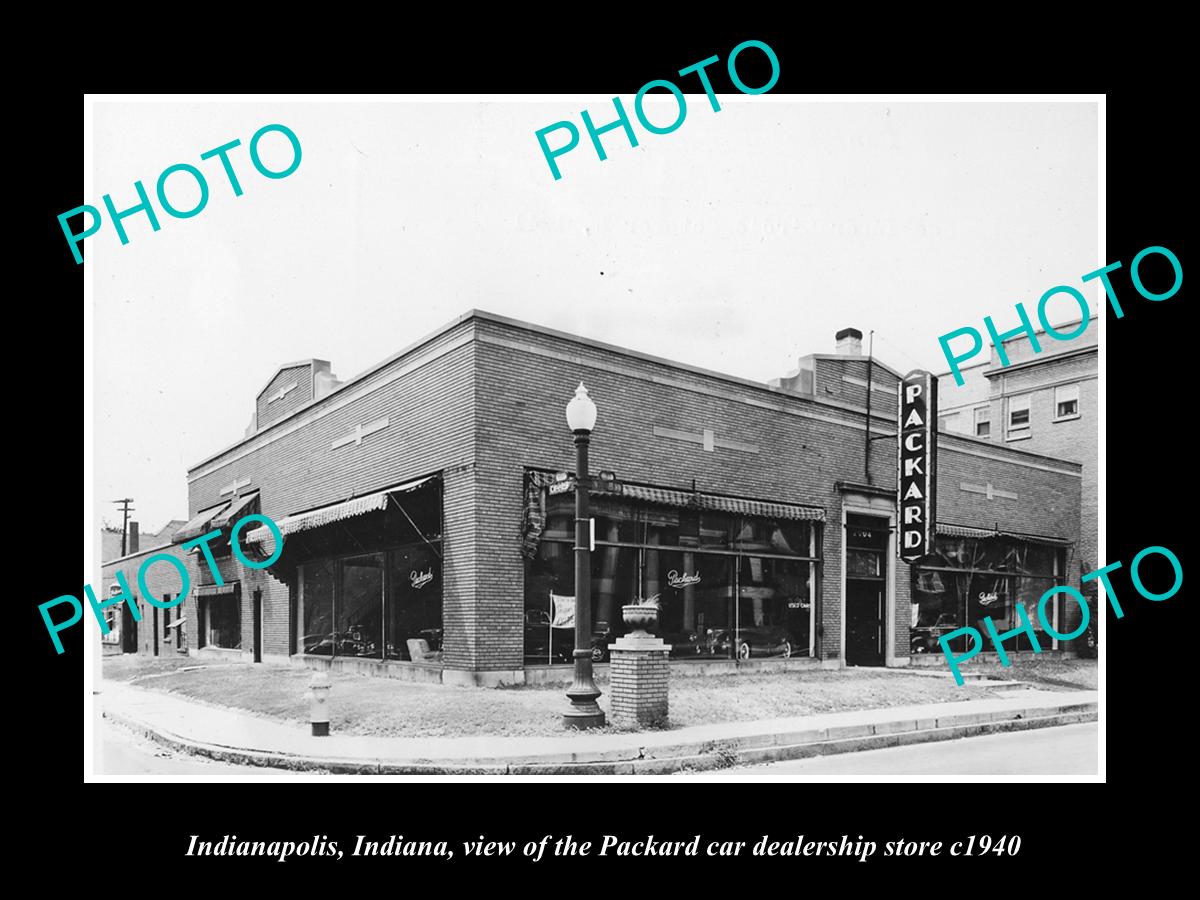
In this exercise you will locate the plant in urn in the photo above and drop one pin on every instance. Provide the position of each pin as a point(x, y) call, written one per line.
point(640, 616)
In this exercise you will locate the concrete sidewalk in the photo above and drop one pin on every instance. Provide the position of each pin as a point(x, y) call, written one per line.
point(238, 737)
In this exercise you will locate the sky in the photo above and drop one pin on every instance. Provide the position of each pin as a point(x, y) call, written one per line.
point(739, 242)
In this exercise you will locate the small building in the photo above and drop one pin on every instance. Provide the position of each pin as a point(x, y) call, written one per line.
point(112, 542)
point(427, 519)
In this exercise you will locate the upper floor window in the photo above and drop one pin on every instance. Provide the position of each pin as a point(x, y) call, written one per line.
point(983, 422)
point(1066, 402)
point(1018, 417)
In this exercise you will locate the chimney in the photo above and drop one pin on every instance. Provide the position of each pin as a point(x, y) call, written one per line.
point(133, 538)
point(849, 342)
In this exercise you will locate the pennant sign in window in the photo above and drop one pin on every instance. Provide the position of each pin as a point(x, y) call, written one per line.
point(564, 611)
point(916, 480)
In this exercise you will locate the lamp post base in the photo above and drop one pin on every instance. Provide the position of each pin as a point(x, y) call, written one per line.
point(585, 712)
point(587, 715)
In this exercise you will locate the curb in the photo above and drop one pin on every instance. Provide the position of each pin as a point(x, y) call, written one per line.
point(664, 760)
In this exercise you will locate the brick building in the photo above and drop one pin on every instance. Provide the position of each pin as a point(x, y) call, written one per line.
point(427, 516)
point(1046, 402)
point(110, 551)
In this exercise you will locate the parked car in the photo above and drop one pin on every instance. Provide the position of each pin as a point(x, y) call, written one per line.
point(924, 638)
point(352, 642)
point(750, 640)
point(685, 643)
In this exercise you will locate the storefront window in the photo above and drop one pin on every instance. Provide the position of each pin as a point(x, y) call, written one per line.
point(549, 635)
point(224, 619)
point(415, 605)
point(371, 586)
point(402, 587)
point(774, 607)
point(360, 607)
point(316, 609)
point(696, 564)
point(968, 579)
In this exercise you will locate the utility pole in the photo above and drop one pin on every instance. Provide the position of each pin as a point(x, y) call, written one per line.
point(126, 510)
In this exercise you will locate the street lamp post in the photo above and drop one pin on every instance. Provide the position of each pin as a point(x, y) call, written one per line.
point(583, 693)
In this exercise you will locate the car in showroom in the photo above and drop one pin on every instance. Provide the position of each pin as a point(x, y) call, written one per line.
point(924, 638)
point(750, 641)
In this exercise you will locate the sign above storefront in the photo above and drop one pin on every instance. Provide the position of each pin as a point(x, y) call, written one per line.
point(916, 482)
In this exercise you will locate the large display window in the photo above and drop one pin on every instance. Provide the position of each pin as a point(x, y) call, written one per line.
point(727, 586)
point(968, 579)
point(371, 586)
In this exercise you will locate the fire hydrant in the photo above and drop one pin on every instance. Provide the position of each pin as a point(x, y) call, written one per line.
point(318, 704)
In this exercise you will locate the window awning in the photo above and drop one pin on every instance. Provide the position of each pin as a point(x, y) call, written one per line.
point(335, 512)
point(762, 508)
point(688, 500)
point(199, 525)
point(238, 507)
point(177, 622)
point(657, 495)
point(963, 531)
point(945, 528)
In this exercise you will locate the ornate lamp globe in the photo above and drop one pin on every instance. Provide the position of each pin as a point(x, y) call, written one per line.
point(581, 411)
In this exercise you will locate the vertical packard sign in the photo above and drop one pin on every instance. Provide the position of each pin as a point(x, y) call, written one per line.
point(916, 483)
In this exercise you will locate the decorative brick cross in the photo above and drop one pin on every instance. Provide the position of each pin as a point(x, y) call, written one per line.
point(283, 392)
point(706, 438)
point(990, 492)
point(234, 486)
point(360, 431)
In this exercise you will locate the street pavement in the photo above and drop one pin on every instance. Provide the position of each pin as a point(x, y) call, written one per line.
point(1066, 750)
point(126, 754)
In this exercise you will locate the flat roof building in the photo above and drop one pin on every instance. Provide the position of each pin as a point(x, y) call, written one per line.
point(428, 524)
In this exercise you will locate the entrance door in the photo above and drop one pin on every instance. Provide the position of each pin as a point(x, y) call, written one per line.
point(258, 626)
point(129, 635)
point(866, 589)
point(864, 623)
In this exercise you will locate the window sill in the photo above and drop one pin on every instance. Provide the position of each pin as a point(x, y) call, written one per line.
point(1068, 418)
point(1019, 437)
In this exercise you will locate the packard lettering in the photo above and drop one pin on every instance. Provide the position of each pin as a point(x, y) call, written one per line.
point(675, 580)
point(987, 599)
point(917, 463)
point(420, 579)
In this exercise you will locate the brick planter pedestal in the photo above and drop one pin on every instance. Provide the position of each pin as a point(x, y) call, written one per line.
point(638, 671)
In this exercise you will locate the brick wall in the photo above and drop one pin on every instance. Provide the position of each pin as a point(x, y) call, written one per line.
point(271, 408)
point(638, 687)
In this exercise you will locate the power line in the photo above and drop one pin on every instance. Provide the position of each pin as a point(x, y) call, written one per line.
point(126, 510)
point(902, 352)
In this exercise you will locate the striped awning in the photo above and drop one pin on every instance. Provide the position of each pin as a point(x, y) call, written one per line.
point(663, 496)
point(761, 508)
point(949, 530)
point(335, 512)
point(963, 531)
point(199, 524)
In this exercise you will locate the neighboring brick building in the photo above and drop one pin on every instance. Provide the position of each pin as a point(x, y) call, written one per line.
point(428, 526)
point(110, 550)
point(1046, 402)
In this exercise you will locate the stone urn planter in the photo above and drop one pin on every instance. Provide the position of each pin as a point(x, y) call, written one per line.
point(639, 617)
